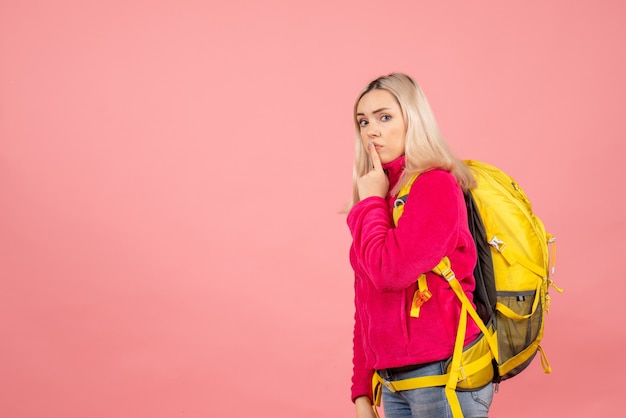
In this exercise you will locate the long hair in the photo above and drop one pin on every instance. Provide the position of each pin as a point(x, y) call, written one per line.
point(424, 149)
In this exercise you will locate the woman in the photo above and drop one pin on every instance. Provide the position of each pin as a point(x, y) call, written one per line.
point(398, 137)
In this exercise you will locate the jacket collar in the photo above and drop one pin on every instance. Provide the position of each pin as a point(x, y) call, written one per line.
point(394, 170)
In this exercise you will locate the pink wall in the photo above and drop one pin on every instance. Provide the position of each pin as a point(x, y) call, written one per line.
point(171, 173)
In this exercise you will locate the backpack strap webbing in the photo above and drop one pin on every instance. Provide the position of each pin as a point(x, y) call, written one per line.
point(421, 296)
point(444, 270)
point(457, 372)
point(403, 194)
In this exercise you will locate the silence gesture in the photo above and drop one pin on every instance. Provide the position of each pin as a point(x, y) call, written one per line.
point(375, 182)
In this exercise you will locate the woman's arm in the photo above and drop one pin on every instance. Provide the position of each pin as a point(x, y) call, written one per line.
point(426, 232)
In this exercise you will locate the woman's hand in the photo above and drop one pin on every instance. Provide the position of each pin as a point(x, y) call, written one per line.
point(375, 182)
point(364, 407)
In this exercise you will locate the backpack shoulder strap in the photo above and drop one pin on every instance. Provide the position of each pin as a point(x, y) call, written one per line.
point(403, 194)
point(444, 270)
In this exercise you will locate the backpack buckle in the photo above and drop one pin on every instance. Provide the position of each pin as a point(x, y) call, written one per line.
point(462, 375)
point(448, 274)
point(389, 385)
point(444, 269)
point(497, 243)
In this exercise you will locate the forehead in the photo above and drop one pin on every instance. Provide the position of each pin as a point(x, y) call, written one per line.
point(377, 99)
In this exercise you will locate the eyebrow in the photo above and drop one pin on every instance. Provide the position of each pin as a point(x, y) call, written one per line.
point(374, 112)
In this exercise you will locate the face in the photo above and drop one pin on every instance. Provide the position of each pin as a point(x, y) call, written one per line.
point(381, 122)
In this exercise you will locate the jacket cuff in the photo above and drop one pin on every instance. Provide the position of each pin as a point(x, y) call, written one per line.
point(362, 390)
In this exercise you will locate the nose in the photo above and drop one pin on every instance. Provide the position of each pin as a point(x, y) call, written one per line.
point(372, 130)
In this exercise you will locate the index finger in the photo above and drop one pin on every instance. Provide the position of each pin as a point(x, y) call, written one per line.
point(375, 157)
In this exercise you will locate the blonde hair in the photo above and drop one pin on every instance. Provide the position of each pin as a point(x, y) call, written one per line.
point(424, 149)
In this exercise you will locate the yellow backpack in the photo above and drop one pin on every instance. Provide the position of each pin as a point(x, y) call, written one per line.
point(515, 262)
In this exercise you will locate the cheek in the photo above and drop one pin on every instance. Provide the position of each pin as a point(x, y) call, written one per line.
point(400, 138)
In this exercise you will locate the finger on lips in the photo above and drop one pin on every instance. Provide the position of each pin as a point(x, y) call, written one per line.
point(374, 156)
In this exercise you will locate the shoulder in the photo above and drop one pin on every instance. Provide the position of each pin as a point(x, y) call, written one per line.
point(435, 185)
point(436, 178)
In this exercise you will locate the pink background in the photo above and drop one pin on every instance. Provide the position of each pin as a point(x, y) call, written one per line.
point(171, 174)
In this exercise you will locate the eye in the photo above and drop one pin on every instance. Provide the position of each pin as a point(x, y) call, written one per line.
point(363, 123)
point(385, 118)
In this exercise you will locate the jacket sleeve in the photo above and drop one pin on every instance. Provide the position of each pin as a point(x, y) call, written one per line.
point(361, 372)
point(427, 231)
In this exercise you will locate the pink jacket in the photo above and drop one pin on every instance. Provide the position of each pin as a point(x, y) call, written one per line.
point(387, 262)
